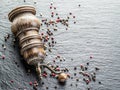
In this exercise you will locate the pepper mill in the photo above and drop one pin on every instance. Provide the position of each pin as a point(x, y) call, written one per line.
point(25, 26)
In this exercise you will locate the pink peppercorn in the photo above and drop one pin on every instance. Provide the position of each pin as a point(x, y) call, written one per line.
point(53, 74)
point(87, 81)
point(58, 56)
point(30, 83)
point(50, 7)
point(57, 69)
point(3, 56)
point(81, 66)
point(42, 33)
point(44, 75)
point(12, 81)
point(91, 57)
point(54, 7)
point(73, 16)
point(54, 61)
point(52, 38)
point(58, 20)
point(35, 82)
point(52, 13)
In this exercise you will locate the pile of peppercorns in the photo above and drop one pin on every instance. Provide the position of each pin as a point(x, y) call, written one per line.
point(84, 74)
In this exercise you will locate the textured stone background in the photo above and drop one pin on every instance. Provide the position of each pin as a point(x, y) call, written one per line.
point(96, 33)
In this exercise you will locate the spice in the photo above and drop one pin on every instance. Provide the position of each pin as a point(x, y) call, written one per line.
point(30, 83)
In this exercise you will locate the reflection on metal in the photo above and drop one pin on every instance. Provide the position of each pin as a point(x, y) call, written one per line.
point(25, 27)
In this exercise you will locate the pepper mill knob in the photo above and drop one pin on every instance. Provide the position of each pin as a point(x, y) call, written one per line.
point(62, 77)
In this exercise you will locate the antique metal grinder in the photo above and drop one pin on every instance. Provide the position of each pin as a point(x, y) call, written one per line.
point(25, 26)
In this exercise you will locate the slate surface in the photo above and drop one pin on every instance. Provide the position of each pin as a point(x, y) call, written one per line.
point(96, 34)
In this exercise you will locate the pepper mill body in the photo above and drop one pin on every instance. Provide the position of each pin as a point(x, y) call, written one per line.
point(25, 27)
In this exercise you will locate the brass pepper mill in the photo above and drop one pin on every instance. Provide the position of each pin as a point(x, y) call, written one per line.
point(25, 26)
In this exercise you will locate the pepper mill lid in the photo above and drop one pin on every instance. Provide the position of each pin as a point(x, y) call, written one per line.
point(19, 10)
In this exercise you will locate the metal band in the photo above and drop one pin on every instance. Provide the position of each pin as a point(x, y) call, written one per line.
point(28, 46)
point(27, 29)
point(29, 37)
